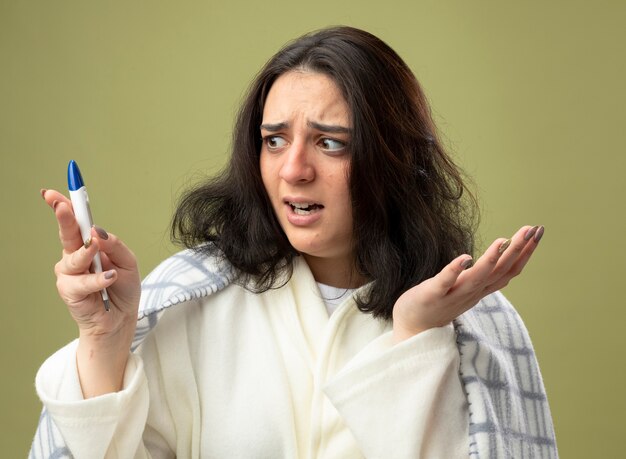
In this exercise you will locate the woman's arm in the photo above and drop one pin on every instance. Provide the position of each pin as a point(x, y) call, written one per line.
point(104, 336)
point(94, 391)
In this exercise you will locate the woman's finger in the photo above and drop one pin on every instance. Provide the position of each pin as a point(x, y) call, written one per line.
point(476, 278)
point(69, 232)
point(524, 257)
point(52, 196)
point(520, 240)
point(79, 261)
point(75, 288)
point(116, 251)
point(517, 255)
point(447, 277)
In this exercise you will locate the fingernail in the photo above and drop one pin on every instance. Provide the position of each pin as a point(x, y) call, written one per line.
point(109, 274)
point(87, 243)
point(55, 204)
point(539, 234)
point(101, 233)
point(504, 246)
point(43, 193)
point(467, 263)
point(530, 233)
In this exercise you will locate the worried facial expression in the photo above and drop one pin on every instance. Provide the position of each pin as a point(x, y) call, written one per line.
point(306, 131)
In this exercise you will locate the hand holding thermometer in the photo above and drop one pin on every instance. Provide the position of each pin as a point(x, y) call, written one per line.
point(82, 212)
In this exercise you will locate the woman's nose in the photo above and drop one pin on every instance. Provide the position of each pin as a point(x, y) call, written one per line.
point(297, 167)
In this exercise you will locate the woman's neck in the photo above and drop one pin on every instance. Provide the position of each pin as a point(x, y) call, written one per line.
point(338, 272)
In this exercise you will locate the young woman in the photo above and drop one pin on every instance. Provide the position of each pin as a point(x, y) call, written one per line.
point(312, 314)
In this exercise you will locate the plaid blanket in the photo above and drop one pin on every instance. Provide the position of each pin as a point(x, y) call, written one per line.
point(509, 416)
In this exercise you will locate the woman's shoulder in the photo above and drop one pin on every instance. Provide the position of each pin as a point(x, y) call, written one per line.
point(188, 275)
point(190, 272)
point(494, 319)
point(498, 363)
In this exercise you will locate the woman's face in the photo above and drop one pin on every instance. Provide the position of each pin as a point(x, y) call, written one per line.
point(306, 132)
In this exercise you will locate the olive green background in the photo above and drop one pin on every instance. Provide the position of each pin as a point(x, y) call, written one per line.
point(528, 95)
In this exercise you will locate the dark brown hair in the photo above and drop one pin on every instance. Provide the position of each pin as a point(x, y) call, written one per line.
point(412, 212)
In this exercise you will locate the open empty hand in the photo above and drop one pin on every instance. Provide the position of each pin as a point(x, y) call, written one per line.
point(435, 302)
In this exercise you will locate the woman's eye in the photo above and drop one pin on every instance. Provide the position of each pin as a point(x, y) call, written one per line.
point(332, 144)
point(273, 142)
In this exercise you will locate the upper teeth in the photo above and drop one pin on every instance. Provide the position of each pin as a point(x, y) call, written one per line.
point(301, 205)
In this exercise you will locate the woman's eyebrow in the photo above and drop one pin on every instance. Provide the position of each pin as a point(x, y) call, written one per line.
point(332, 128)
point(274, 127)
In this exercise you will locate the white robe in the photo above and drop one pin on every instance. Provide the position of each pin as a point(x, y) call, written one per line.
point(336, 381)
point(240, 375)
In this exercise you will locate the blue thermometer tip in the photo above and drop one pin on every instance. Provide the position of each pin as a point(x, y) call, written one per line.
point(74, 179)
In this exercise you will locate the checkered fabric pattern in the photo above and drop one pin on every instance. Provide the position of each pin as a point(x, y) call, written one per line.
point(509, 412)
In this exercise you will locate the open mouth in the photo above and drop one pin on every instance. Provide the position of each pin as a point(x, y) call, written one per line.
point(305, 208)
